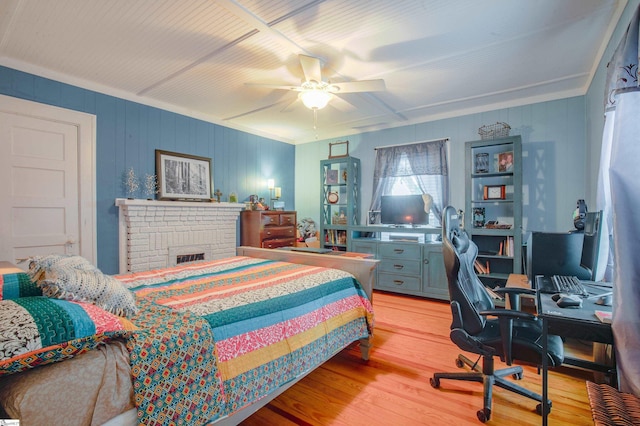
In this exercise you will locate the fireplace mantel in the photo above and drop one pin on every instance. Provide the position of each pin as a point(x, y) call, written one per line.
point(153, 234)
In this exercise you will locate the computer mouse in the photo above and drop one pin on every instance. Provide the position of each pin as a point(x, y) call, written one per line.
point(605, 300)
point(569, 301)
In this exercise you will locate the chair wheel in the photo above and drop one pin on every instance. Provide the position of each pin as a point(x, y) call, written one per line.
point(484, 415)
point(459, 363)
point(517, 376)
point(539, 409)
point(435, 383)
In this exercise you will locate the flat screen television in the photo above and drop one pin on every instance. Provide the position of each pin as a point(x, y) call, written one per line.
point(403, 210)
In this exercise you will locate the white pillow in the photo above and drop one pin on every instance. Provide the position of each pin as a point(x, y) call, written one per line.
point(89, 286)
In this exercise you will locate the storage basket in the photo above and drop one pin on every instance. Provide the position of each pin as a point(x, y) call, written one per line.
point(492, 131)
point(339, 220)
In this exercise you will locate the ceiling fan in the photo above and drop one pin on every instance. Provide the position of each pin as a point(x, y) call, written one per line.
point(316, 93)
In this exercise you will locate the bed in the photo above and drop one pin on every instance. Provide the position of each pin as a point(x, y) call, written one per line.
point(211, 342)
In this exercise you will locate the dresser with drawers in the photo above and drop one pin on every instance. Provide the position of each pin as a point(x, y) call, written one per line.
point(268, 228)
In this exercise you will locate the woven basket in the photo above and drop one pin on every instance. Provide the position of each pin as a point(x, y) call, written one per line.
point(337, 220)
point(493, 131)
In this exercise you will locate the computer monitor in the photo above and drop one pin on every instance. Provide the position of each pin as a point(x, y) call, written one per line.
point(591, 243)
point(555, 253)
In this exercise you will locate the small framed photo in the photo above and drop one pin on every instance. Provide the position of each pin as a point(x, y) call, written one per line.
point(478, 217)
point(183, 177)
point(494, 192)
point(374, 217)
point(482, 163)
point(333, 177)
point(505, 161)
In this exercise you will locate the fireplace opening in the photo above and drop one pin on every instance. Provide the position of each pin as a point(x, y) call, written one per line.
point(192, 257)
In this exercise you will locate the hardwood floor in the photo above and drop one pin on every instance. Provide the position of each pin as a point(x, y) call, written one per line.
point(411, 342)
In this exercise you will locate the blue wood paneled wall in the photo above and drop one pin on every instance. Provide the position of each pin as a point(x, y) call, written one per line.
point(128, 134)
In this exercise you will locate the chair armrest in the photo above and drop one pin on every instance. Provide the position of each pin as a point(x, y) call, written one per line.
point(505, 319)
point(508, 313)
point(514, 290)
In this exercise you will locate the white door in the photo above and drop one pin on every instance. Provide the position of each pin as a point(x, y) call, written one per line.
point(41, 196)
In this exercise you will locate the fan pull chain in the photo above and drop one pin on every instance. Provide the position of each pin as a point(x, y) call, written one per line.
point(315, 121)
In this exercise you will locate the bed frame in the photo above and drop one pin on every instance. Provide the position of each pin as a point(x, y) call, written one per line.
point(361, 268)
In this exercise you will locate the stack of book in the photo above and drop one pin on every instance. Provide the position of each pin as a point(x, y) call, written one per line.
point(506, 247)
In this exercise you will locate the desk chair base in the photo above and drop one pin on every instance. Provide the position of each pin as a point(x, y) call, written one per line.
point(488, 377)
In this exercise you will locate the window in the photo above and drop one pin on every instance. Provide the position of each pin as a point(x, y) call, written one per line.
point(419, 168)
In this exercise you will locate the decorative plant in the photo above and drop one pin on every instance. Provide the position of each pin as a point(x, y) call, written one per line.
point(150, 186)
point(131, 183)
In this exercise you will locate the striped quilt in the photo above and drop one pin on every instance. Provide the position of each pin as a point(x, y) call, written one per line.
point(220, 335)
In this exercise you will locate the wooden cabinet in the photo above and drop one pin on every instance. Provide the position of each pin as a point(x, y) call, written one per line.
point(268, 229)
point(434, 276)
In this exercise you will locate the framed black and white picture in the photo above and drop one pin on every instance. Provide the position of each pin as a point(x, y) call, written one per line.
point(482, 163)
point(183, 177)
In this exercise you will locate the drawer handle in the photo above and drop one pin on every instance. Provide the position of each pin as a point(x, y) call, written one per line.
point(398, 250)
point(268, 232)
point(398, 266)
point(426, 261)
point(398, 282)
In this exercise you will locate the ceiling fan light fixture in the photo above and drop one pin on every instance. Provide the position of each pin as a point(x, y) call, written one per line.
point(315, 98)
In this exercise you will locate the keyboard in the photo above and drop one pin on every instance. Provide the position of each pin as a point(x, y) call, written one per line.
point(561, 284)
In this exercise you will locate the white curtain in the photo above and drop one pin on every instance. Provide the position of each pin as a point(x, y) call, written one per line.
point(619, 196)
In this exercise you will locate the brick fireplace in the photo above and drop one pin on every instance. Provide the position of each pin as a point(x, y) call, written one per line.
point(159, 234)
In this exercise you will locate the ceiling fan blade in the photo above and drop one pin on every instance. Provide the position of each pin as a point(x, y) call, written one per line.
point(358, 86)
point(275, 86)
point(290, 106)
point(311, 68)
point(341, 104)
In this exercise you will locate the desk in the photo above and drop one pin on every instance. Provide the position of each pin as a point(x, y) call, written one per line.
point(578, 323)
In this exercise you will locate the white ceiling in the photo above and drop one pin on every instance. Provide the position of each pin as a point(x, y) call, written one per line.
point(438, 58)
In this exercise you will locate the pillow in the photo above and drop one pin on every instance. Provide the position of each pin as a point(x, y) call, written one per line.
point(37, 331)
point(89, 286)
point(14, 283)
point(40, 265)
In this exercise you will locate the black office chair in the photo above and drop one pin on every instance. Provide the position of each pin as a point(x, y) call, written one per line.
point(480, 328)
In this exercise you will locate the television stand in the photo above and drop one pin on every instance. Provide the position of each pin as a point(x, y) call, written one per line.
point(411, 260)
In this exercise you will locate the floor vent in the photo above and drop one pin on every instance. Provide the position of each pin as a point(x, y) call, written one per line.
point(185, 258)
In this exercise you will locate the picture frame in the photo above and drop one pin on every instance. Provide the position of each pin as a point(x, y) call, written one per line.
point(183, 176)
point(481, 163)
point(373, 217)
point(338, 149)
point(332, 177)
point(505, 162)
point(478, 217)
point(494, 192)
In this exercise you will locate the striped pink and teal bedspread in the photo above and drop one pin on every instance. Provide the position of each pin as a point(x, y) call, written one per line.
point(218, 336)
